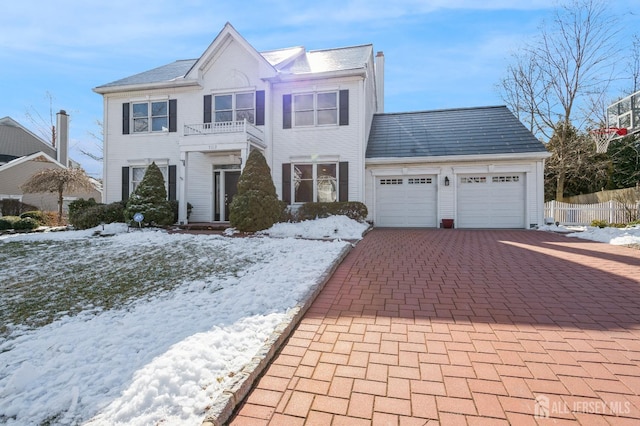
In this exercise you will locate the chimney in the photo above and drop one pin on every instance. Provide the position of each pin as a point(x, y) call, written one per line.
point(379, 65)
point(62, 137)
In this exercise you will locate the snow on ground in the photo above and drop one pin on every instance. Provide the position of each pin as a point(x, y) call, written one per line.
point(330, 227)
point(610, 235)
point(162, 360)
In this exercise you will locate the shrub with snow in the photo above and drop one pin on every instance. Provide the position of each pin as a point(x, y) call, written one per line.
point(150, 199)
point(255, 206)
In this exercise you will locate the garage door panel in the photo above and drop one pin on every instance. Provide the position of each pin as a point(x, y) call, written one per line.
point(406, 201)
point(491, 201)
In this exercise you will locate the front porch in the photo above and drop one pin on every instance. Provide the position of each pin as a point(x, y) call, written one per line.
point(212, 156)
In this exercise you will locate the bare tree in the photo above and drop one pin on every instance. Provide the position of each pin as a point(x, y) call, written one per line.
point(522, 89)
point(45, 127)
point(633, 64)
point(571, 61)
point(98, 144)
point(60, 181)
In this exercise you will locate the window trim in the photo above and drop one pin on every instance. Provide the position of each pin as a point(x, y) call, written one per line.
point(234, 109)
point(150, 117)
point(314, 180)
point(164, 168)
point(316, 109)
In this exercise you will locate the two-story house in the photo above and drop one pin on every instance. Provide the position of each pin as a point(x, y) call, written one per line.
point(318, 118)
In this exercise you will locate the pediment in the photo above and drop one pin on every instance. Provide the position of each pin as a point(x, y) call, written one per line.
point(229, 38)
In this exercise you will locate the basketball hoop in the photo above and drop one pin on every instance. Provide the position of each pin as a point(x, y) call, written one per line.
point(604, 136)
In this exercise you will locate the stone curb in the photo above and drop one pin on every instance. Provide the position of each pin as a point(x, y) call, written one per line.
point(224, 406)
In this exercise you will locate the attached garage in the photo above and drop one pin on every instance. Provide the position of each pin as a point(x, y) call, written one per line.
point(406, 201)
point(483, 169)
point(491, 201)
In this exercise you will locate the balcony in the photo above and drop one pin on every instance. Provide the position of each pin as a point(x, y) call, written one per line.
point(221, 136)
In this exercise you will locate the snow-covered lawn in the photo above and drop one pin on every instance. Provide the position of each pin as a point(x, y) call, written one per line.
point(145, 327)
point(629, 236)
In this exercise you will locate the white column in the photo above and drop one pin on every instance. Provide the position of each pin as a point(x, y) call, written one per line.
point(182, 193)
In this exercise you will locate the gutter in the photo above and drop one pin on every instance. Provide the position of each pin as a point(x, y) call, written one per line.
point(452, 158)
point(146, 86)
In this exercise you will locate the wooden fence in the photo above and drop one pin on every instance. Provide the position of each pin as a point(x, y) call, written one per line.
point(584, 214)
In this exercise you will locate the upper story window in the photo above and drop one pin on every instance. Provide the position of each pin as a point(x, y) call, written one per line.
point(150, 116)
point(328, 108)
point(315, 109)
point(234, 107)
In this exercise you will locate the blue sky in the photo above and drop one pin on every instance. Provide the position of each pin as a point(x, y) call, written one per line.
point(438, 53)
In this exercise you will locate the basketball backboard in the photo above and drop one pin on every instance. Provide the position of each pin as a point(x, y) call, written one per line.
point(625, 114)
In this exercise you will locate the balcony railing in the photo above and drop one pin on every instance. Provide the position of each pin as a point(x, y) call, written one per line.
point(225, 127)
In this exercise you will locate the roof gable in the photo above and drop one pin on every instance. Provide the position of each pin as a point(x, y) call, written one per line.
point(289, 61)
point(463, 131)
point(225, 37)
point(17, 141)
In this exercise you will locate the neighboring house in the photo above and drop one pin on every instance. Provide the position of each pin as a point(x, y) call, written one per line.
point(22, 154)
point(318, 118)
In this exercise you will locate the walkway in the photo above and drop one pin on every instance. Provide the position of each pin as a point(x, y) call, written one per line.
point(463, 327)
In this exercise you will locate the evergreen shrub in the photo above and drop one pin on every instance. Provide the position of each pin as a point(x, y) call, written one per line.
point(37, 215)
point(150, 199)
point(26, 223)
point(8, 222)
point(255, 206)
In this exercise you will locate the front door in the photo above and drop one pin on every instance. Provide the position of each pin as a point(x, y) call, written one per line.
point(225, 185)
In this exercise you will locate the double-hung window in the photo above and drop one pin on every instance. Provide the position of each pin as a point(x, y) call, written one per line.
point(137, 173)
point(234, 107)
point(315, 109)
point(150, 116)
point(315, 182)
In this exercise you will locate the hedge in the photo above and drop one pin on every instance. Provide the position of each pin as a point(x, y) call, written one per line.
point(353, 209)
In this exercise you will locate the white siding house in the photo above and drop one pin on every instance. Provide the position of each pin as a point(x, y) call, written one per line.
point(318, 118)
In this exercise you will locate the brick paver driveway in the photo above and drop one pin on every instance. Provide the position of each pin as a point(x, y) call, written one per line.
point(464, 327)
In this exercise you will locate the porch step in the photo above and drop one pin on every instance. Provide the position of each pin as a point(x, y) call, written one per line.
point(205, 226)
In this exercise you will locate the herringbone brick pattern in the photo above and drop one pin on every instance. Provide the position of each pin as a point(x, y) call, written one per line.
point(463, 327)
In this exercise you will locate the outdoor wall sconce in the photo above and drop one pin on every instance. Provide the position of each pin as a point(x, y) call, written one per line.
point(446, 181)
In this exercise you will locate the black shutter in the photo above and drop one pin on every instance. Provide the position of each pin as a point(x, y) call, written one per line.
point(286, 111)
point(172, 183)
point(343, 184)
point(125, 183)
point(286, 183)
point(173, 115)
point(344, 108)
point(207, 109)
point(125, 118)
point(260, 108)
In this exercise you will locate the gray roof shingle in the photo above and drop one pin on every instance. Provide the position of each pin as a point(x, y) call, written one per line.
point(16, 141)
point(344, 58)
point(160, 74)
point(462, 131)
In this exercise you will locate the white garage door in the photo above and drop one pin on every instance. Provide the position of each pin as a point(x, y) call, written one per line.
point(406, 201)
point(491, 201)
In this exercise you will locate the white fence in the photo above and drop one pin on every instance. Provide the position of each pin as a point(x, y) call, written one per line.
point(584, 214)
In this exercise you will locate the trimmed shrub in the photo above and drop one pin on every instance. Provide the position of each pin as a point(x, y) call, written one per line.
point(255, 206)
point(78, 207)
point(99, 214)
point(150, 199)
point(37, 215)
point(8, 222)
point(352, 209)
point(26, 223)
